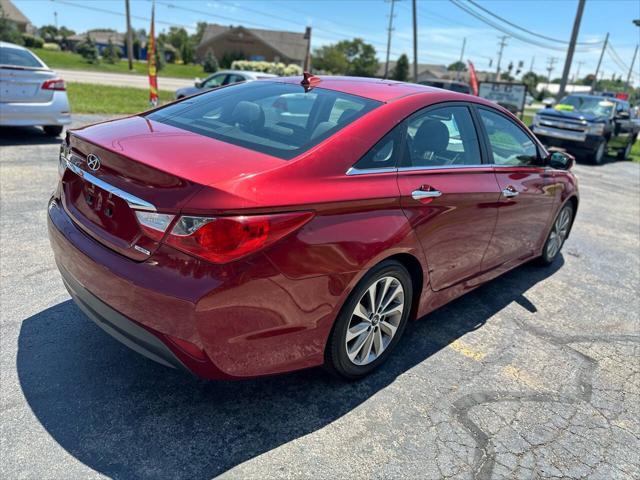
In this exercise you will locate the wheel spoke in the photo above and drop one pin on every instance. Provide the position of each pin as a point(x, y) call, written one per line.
point(361, 312)
point(377, 341)
point(393, 309)
point(357, 330)
point(388, 327)
point(387, 283)
point(398, 290)
point(372, 296)
point(355, 350)
point(366, 347)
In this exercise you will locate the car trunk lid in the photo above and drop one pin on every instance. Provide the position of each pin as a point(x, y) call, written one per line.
point(24, 85)
point(144, 166)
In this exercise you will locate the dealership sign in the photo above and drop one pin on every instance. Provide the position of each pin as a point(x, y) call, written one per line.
point(509, 95)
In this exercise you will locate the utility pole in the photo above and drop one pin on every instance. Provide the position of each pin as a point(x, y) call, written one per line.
point(502, 44)
point(595, 75)
point(576, 76)
point(415, 42)
point(460, 67)
point(533, 59)
point(307, 57)
point(55, 19)
point(129, 36)
point(571, 49)
point(390, 29)
point(550, 65)
point(633, 60)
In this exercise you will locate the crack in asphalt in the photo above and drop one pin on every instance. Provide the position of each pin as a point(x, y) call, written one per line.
point(485, 454)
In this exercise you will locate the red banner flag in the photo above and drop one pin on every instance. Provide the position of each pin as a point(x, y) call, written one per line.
point(151, 62)
point(473, 79)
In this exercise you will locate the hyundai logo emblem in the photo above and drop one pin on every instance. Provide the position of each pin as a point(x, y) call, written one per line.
point(93, 162)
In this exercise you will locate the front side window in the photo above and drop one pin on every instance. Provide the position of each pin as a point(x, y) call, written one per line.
point(509, 144)
point(442, 136)
point(278, 119)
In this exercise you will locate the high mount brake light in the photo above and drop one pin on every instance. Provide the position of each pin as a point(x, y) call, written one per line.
point(224, 239)
point(54, 84)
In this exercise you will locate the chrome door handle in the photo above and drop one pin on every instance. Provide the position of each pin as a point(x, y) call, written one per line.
point(422, 194)
point(510, 192)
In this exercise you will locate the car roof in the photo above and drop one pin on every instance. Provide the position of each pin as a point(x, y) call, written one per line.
point(250, 73)
point(12, 45)
point(374, 88)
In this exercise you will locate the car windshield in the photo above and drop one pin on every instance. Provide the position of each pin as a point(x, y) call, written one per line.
point(16, 57)
point(279, 119)
point(595, 105)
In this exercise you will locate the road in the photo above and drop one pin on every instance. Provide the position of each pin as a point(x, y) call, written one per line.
point(534, 375)
point(122, 79)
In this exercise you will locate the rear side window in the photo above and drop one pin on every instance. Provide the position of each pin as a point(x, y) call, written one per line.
point(274, 118)
point(18, 58)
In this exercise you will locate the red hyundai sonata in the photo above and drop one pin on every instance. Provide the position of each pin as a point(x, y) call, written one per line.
point(282, 224)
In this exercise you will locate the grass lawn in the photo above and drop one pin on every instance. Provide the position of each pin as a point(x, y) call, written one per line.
point(73, 61)
point(90, 98)
point(635, 152)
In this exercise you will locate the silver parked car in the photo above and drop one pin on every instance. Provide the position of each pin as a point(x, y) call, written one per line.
point(31, 94)
point(222, 77)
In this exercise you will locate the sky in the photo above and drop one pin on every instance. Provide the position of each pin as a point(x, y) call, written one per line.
point(442, 26)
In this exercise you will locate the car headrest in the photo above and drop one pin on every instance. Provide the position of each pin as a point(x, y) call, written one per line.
point(347, 115)
point(322, 128)
point(248, 114)
point(431, 136)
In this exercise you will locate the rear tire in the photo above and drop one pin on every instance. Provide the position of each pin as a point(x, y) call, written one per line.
point(626, 152)
point(363, 335)
point(557, 235)
point(52, 130)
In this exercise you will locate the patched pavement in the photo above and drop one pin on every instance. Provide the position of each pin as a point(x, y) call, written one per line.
point(534, 375)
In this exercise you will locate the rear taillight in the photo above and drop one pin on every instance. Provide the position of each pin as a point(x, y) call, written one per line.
point(54, 84)
point(154, 225)
point(224, 239)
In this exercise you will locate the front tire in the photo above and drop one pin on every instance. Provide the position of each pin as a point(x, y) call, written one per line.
point(557, 235)
point(52, 130)
point(599, 153)
point(371, 322)
point(626, 152)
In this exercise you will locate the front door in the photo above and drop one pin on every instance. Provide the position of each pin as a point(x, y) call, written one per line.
point(449, 195)
point(526, 190)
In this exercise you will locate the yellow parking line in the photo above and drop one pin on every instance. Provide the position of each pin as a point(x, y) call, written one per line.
point(464, 349)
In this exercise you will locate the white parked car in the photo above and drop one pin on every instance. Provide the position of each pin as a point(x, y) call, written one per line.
point(31, 94)
point(220, 78)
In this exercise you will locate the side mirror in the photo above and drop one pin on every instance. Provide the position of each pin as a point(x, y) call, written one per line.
point(548, 102)
point(197, 82)
point(560, 160)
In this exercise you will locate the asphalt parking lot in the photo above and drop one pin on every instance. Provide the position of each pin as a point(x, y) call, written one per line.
point(535, 375)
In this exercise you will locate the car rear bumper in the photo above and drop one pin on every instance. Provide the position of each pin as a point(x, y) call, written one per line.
point(245, 319)
point(55, 112)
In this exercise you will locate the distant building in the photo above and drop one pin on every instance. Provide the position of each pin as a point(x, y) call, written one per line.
point(101, 38)
point(253, 44)
point(430, 72)
point(554, 88)
point(9, 11)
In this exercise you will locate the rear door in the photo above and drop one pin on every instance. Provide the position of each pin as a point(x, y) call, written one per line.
point(526, 190)
point(448, 192)
point(622, 126)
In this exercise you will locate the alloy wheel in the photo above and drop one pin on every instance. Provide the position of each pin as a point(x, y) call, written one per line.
point(375, 320)
point(559, 232)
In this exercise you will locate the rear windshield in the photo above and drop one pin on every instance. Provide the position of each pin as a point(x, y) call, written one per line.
point(274, 118)
point(18, 58)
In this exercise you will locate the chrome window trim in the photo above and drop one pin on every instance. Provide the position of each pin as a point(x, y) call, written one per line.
point(132, 200)
point(444, 167)
point(370, 171)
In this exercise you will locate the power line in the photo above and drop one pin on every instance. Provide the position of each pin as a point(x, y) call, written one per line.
point(597, 42)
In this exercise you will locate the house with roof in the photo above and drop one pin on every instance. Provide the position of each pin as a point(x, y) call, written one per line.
point(9, 11)
point(101, 38)
point(253, 44)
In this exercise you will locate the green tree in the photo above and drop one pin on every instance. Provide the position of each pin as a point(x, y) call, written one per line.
point(531, 80)
point(111, 53)
point(401, 70)
point(210, 64)
point(8, 30)
point(350, 57)
point(49, 33)
point(228, 58)
point(457, 66)
point(88, 50)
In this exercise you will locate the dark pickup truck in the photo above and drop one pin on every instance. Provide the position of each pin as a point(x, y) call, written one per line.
point(589, 126)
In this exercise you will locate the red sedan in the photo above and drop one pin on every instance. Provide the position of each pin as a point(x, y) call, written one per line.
point(283, 224)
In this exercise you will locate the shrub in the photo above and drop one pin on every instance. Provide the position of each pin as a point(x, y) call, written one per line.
point(111, 53)
point(276, 68)
point(210, 64)
point(51, 46)
point(32, 41)
point(88, 50)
